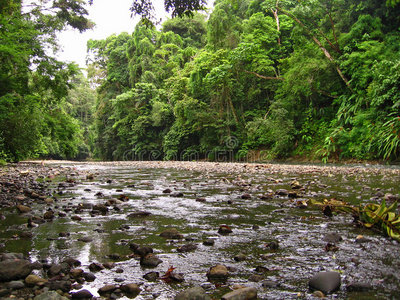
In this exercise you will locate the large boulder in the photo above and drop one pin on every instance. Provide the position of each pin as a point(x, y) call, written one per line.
point(14, 269)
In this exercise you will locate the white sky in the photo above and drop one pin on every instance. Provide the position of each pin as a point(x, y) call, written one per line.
point(110, 17)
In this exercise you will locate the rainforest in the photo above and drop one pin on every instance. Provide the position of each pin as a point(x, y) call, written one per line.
point(254, 80)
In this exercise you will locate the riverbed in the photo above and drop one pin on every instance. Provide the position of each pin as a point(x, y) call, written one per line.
point(262, 204)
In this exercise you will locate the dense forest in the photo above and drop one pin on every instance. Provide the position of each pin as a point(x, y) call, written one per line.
point(248, 80)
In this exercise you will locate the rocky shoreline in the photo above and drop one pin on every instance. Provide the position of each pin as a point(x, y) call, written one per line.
point(27, 185)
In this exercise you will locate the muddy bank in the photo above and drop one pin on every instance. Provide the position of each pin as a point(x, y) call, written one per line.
point(160, 230)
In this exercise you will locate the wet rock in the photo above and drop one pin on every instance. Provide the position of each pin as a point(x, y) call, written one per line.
point(48, 215)
point(167, 191)
point(76, 218)
point(25, 234)
point(95, 267)
point(72, 262)
point(177, 194)
point(150, 261)
point(82, 294)
point(261, 269)
point(187, 248)
point(361, 239)
point(14, 269)
point(333, 238)
point(326, 282)
point(151, 276)
point(318, 294)
point(23, 208)
point(50, 295)
point(15, 285)
point(54, 270)
point(359, 287)
point(89, 276)
point(64, 234)
point(14, 256)
point(114, 256)
point(107, 289)
point(218, 272)
point(295, 185)
point(76, 273)
point(138, 214)
point(140, 250)
point(62, 285)
point(109, 265)
point(281, 192)
point(246, 196)
point(194, 293)
point(247, 293)
point(171, 233)
point(256, 278)
point(132, 289)
point(201, 199)
point(209, 242)
point(270, 284)
point(273, 245)
point(32, 280)
point(240, 257)
point(85, 239)
point(379, 194)
point(224, 230)
point(101, 208)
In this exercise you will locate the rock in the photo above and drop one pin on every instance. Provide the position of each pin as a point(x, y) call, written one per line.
point(359, 287)
point(201, 199)
point(332, 237)
point(82, 294)
point(48, 215)
point(326, 282)
point(23, 208)
point(218, 272)
point(62, 285)
point(32, 280)
point(240, 257)
point(138, 214)
point(14, 269)
point(167, 191)
point(256, 278)
point(109, 265)
point(150, 261)
point(76, 273)
point(107, 289)
point(177, 194)
point(132, 289)
point(85, 239)
point(194, 293)
point(224, 230)
point(101, 208)
point(16, 285)
point(273, 245)
point(246, 196)
point(270, 284)
point(281, 192)
point(50, 295)
point(89, 276)
point(171, 233)
point(209, 242)
point(187, 248)
point(95, 267)
point(247, 293)
point(140, 250)
point(151, 276)
point(54, 270)
point(361, 239)
point(76, 218)
point(295, 185)
point(14, 256)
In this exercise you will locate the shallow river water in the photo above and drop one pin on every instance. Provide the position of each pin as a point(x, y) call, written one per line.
point(249, 198)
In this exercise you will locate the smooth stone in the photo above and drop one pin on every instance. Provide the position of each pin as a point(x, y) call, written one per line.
point(240, 257)
point(33, 280)
point(138, 214)
point(150, 260)
point(218, 272)
point(224, 229)
point(76, 273)
point(50, 295)
point(187, 248)
point(333, 237)
point(16, 285)
point(95, 267)
point(256, 278)
point(326, 282)
point(107, 289)
point(82, 294)
point(14, 269)
point(23, 209)
point(194, 293)
point(209, 242)
point(171, 233)
point(132, 289)
point(359, 287)
point(247, 293)
point(151, 276)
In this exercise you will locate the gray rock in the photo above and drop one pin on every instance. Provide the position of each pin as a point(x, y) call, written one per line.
point(248, 293)
point(194, 293)
point(107, 289)
point(326, 282)
point(14, 269)
point(333, 237)
point(151, 276)
point(187, 248)
point(16, 285)
point(256, 278)
point(50, 295)
point(6, 256)
point(359, 287)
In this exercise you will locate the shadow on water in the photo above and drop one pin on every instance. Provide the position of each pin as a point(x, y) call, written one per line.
point(207, 201)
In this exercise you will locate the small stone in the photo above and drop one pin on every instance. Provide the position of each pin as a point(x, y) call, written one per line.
point(150, 260)
point(187, 248)
point(194, 293)
point(240, 257)
point(224, 230)
point(151, 276)
point(76, 273)
point(246, 196)
point(95, 267)
point(256, 278)
point(218, 272)
point(16, 285)
point(23, 208)
point(131, 289)
point(167, 191)
point(209, 242)
point(247, 293)
point(326, 282)
point(109, 265)
point(333, 237)
point(318, 294)
point(171, 233)
point(89, 276)
point(200, 199)
point(139, 214)
point(32, 280)
point(50, 295)
point(359, 287)
point(107, 289)
point(82, 294)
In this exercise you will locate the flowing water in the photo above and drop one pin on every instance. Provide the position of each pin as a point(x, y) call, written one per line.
point(209, 199)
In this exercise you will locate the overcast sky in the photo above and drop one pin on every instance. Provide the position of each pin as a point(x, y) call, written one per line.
point(110, 17)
